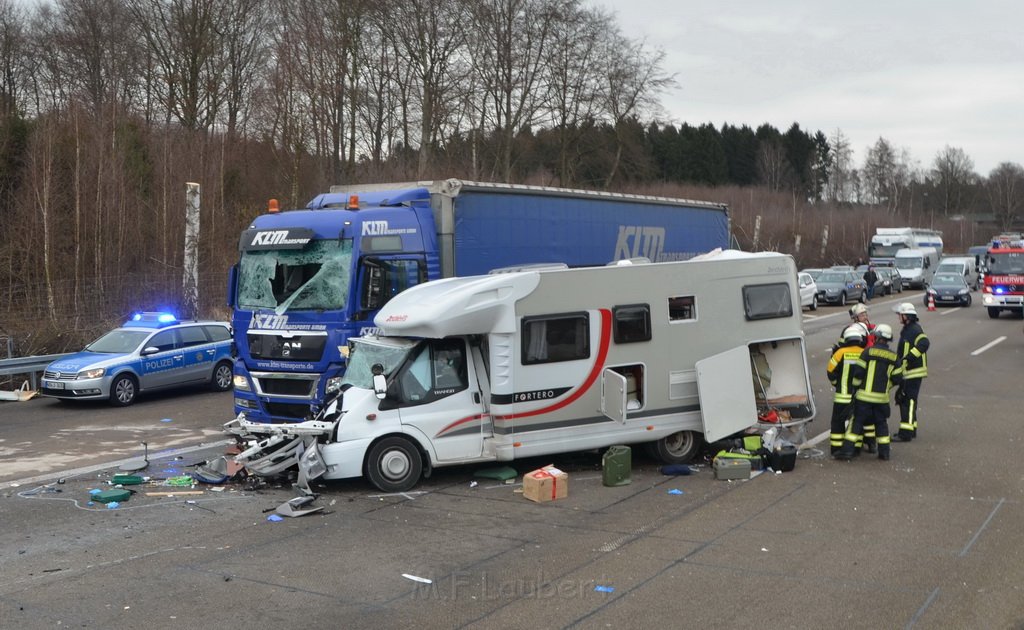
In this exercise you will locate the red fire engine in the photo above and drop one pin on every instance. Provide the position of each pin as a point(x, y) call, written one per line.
point(1004, 275)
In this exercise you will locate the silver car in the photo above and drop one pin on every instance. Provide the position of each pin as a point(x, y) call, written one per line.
point(840, 287)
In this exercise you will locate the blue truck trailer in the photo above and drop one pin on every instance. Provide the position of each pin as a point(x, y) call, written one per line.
point(308, 280)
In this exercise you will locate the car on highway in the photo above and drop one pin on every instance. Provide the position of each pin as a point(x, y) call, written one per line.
point(840, 287)
point(150, 351)
point(889, 278)
point(808, 290)
point(815, 272)
point(948, 288)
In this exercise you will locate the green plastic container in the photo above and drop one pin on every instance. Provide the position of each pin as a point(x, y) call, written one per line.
point(617, 466)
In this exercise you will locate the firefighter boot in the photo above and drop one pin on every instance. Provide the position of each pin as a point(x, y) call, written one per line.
point(883, 452)
point(847, 452)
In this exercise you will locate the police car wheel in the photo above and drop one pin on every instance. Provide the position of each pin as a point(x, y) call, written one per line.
point(679, 448)
point(123, 391)
point(223, 375)
point(394, 465)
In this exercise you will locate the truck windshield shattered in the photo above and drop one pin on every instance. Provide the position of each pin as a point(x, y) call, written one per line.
point(314, 278)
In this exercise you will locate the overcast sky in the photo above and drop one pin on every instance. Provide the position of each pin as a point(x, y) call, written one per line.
point(921, 74)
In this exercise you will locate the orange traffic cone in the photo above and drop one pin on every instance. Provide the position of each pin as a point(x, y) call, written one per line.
point(931, 302)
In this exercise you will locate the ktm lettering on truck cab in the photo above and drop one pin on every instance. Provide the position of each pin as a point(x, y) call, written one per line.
point(536, 362)
point(308, 280)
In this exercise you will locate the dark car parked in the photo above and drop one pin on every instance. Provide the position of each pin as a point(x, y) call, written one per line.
point(889, 278)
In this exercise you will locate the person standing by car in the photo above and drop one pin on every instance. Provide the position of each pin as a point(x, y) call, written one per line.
point(870, 278)
point(912, 354)
point(874, 373)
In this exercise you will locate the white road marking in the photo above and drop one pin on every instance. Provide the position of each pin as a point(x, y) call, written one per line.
point(988, 346)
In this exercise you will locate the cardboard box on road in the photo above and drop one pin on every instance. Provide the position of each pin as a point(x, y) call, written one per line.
point(546, 484)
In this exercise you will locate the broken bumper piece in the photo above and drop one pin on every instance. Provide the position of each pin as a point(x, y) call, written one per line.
point(283, 446)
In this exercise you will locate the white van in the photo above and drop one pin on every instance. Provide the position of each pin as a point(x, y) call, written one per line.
point(916, 266)
point(965, 266)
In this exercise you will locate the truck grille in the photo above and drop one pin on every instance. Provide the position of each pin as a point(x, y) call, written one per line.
point(291, 348)
point(288, 410)
point(285, 384)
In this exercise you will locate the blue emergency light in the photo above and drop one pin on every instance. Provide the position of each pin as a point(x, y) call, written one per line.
point(152, 319)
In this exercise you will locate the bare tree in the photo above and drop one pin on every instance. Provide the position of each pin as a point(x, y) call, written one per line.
point(839, 181)
point(1005, 189)
point(13, 53)
point(184, 37)
point(430, 35)
point(576, 70)
point(245, 50)
point(954, 173)
point(634, 80)
point(511, 40)
point(772, 165)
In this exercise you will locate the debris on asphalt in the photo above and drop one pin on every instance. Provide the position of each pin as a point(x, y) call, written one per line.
point(299, 506)
point(604, 589)
point(501, 473)
point(676, 469)
point(676, 491)
point(416, 578)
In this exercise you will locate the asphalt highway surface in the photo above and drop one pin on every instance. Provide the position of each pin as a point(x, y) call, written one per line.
point(930, 539)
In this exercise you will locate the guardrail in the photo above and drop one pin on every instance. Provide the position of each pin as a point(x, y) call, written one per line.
point(29, 365)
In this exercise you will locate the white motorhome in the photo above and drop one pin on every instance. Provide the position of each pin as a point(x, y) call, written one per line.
point(917, 266)
point(527, 363)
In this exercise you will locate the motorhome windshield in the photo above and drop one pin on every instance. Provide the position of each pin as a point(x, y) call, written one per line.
point(314, 278)
point(1006, 263)
point(909, 263)
point(367, 352)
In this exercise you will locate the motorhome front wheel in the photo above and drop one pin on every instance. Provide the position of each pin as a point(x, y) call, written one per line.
point(394, 465)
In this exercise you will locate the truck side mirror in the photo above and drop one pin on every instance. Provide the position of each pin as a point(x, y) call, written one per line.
point(232, 285)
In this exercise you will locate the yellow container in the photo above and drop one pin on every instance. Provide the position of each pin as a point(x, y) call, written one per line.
point(617, 466)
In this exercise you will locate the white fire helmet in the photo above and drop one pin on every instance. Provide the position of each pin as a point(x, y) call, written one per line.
point(857, 309)
point(906, 308)
point(855, 332)
point(883, 331)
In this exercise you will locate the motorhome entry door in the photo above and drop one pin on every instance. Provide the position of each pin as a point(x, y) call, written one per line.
point(726, 391)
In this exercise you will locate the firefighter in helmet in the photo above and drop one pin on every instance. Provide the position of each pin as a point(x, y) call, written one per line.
point(874, 373)
point(840, 374)
point(912, 355)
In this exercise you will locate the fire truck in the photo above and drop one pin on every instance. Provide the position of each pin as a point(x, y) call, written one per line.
point(1004, 275)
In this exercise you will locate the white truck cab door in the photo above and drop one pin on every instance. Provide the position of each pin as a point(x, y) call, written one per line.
point(726, 390)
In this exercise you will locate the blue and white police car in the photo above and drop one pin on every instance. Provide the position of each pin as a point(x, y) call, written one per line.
point(150, 351)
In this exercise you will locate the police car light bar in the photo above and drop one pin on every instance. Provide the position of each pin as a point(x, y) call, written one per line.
point(149, 318)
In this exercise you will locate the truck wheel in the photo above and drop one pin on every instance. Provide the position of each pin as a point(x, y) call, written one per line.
point(394, 465)
point(223, 375)
point(993, 312)
point(678, 448)
point(123, 390)
point(842, 299)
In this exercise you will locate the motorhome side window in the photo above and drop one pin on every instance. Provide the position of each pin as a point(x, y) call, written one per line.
point(682, 308)
point(554, 338)
point(767, 301)
point(632, 323)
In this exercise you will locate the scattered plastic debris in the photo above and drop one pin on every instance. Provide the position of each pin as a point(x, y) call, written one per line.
point(416, 578)
point(179, 481)
point(676, 469)
point(604, 589)
point(500, 473)
point(676, 491)
point(167, 420)
point(298, 507)
point(472, 484)
point(113, 505)
point(128, 480)
point(95, 491)
point(275, 518)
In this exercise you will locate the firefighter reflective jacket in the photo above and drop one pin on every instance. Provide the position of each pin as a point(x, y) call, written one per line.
point(913, 351)
point(840, 372)
point(874, 374)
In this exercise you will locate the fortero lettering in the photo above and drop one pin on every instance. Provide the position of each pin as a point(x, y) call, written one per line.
point(542, 394)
